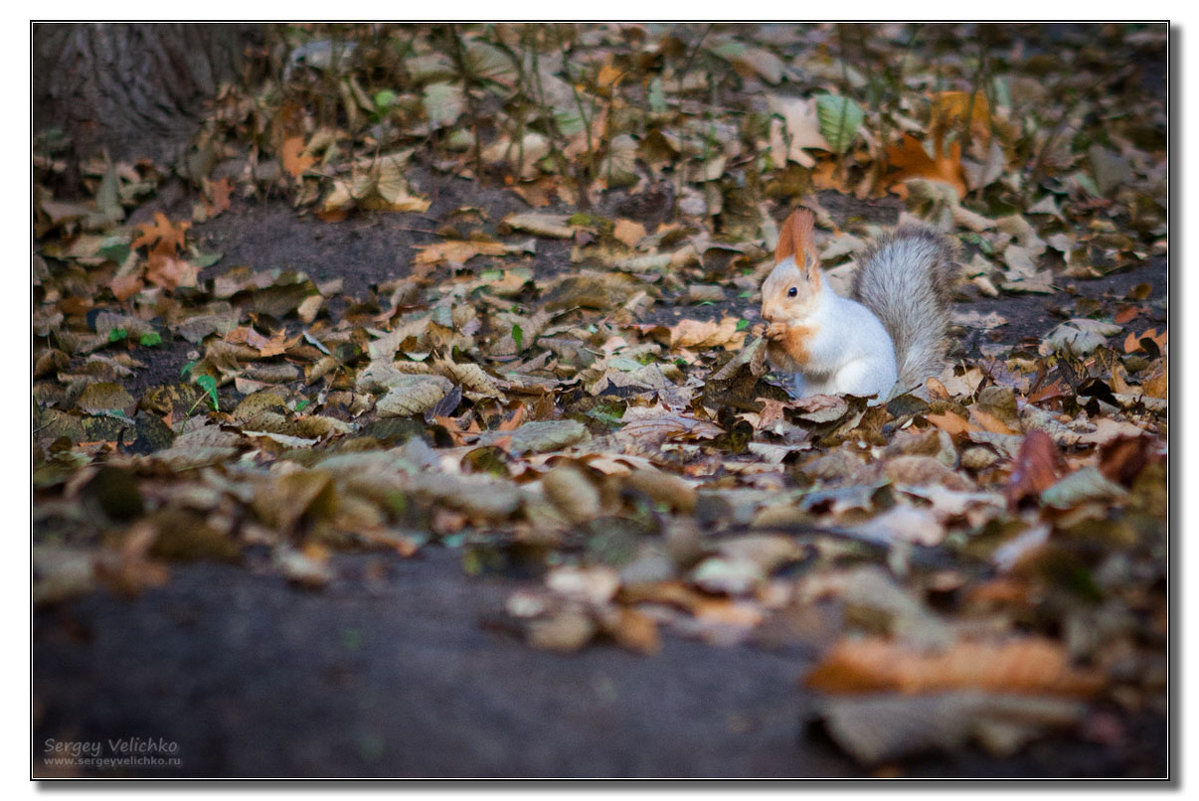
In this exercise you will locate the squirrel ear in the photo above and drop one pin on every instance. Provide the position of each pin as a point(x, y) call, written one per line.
point(796, 237)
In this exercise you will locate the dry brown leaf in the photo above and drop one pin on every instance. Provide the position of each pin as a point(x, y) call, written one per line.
point(651, 427)
point(458, 251)
point(128, 570)
point(220, 192)
point(629, 232)
point(572, 493)
point(125, 286)
point(707, 334)
point(168, 272)
point(1156, 384)
point(274, 345)
point(1038, 465)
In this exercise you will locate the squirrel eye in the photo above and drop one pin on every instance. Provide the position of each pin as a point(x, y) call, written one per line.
point(792, 292)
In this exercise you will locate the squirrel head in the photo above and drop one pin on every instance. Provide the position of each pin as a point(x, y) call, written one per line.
point(791, 290)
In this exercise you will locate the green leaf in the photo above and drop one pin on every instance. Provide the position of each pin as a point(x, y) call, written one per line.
point(115, 248)
point(385, 99)
point(657, 96)
point(117, 334)
point(840, 118)
point(742, 324)
point(202, 260)
point(208, 384)
point(518, 335)
point(150, 339)
point(187, 368)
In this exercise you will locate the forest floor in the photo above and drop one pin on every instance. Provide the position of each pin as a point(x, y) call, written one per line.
point(448, 478)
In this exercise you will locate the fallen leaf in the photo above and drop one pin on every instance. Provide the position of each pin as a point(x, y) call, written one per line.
point(794, 128)
point(948, 421)
point(1031, 665)
point(1037, 466)
point(707, 334)
point(162, 233)
point(295, 161)
point(219, 200)
point(1079, 336)
point(885, 728)
point(459, 251)
point(629, 232)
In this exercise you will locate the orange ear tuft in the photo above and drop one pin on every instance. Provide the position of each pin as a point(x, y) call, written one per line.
point(796, 236)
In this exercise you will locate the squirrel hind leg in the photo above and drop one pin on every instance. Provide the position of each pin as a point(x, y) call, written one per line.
point(862, 378)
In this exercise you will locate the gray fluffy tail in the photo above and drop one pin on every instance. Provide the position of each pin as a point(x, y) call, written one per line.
point(905, 278)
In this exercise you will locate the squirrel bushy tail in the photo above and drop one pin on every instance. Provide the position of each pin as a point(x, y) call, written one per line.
point(905, 279)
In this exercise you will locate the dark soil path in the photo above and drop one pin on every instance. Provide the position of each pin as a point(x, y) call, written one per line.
point(394, 671)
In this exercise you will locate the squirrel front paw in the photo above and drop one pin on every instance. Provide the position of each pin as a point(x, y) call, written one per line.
point(776, 331)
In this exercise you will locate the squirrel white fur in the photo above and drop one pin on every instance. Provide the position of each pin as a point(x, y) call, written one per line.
point(894, 328)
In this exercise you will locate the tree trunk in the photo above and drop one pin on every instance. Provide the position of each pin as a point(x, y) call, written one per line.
point(131, 89)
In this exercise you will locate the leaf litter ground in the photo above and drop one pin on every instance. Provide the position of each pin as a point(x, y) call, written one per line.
point(453, 424)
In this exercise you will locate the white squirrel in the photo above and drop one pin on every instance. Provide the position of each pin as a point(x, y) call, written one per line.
point(894, 328)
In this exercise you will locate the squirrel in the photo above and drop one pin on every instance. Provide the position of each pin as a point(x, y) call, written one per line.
point(893, 329)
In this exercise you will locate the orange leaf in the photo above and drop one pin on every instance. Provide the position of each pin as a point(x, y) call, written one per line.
point(634, 630)
point(513, 422)
point(1032, 665)
point(162, 233)
point(295, 160)
point(460, 435)
point(1132, 342)
point(221, 191)
point(950, 423)
point(990, 422)
point(1125, 314)
point(913, 162)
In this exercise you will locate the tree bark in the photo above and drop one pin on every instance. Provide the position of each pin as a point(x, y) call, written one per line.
point(130, 89)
